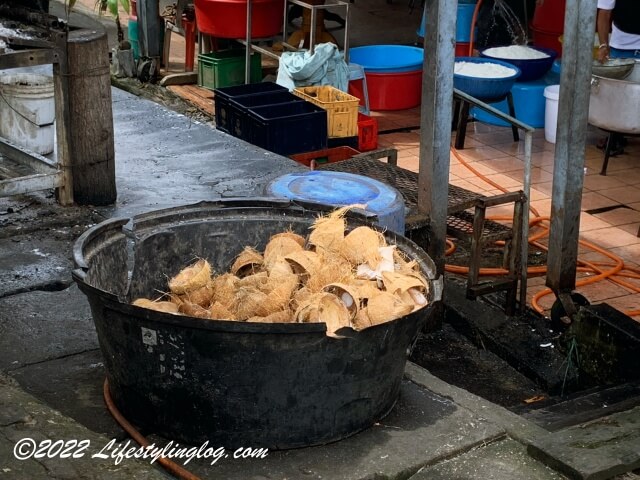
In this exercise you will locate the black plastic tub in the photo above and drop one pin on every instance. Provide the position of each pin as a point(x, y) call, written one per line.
point(233, 383)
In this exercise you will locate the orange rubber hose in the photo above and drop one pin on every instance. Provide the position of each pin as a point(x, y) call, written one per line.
point(170, 466)
point(615, 272)
point(474, 19)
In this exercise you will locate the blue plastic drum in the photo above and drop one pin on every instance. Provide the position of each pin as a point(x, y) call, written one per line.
point(339, 189)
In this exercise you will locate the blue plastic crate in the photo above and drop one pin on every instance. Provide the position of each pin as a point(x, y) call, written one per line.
point(223, 96)
point(289, 128)
point(239, 122)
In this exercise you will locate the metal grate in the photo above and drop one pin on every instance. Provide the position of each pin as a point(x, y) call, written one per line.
point(460, 225)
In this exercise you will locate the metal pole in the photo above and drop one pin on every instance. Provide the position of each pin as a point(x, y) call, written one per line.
point(247, 52)
point(568, 172)
point(524, 243)
point(435, 122)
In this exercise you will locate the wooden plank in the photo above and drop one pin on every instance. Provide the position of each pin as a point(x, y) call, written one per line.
point(30, 183)
point(28, 58)
point(199, 97)
point(35, 161)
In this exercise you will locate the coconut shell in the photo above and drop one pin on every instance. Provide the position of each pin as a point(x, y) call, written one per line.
point(403, 264)
point(327, 232)
point(283, 316)
point(280, 296)
point(366, 288)
point(300, 297)
point(217, 311)
point(280, 268)
point(327, 308)
point(201, 296)
point(247, 302)
point(397, 282)
point(292, 235)
point(166, 307)
point(193, 310)
point(191, 278)
point(361, 246)
point(348, 295)
point(303, 263)
point(224, 289)
point(386, 307)
point(257, 280)
point(361, 320)
point(278, 247)
point(248, 262)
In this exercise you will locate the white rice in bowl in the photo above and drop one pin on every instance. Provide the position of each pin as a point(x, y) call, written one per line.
point(482, 70)
point(515, 52)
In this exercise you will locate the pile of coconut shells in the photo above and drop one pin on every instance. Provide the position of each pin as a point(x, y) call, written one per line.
point(354, 280)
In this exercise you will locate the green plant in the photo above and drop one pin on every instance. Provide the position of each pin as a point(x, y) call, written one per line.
point(112, 6)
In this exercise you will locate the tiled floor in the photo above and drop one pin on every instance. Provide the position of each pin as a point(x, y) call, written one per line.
point(492, 152)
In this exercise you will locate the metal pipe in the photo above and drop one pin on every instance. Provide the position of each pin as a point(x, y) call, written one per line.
point(247, 51)
point(524, 242)
point(435, 122)
point(568, 172)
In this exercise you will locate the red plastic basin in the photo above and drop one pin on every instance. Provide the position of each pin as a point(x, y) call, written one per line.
point(391, 91)
point(549, 16)
point(228, 18)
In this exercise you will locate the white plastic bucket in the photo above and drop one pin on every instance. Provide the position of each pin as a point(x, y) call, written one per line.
point(551, 93)
point(27, 111)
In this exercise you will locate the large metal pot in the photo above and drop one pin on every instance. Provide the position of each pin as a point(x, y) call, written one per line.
point(233, 383)
point(614, 105)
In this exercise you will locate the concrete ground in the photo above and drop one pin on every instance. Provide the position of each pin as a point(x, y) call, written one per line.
point(51, 368)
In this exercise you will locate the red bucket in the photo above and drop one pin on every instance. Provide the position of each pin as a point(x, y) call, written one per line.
point(228, 18)
point(542, 38)
point(462, 49)
point(391, 91)
point(549, 16)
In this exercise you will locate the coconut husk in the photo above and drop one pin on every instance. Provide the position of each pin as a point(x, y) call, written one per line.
point(217, 311)
point(361, 246)
point(175, 299)
point(200, 296)
point(292, 235)
point(283, 316)
point(331, 269)
point(160, 306)
point(348, 294)
point(224, 289)
point(366, 288)
point(404, 264)
point(398, 282)
point(361, 320)
point(193, 310)
point(386, 264)
point(247, 302)
point(280, 268)
point(257, 280)
point(303, 263)
point(279, 297)
point(327, 232)
point(327, 308)
point(300, 297)
point(278, 247)
point(385, 307)
point(248, 262)
point(191, 278)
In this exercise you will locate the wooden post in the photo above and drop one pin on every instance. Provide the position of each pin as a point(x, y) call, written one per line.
point(90, 127)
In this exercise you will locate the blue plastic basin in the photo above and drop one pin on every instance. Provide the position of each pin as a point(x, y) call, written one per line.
point(387, 58)
point(485, 88)
point(463, 23)
point(532, 69)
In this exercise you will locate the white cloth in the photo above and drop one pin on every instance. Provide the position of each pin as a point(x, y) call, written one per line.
point(620, 39)
point(326, 66)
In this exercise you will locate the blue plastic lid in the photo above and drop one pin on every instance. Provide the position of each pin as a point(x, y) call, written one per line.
point(339, 189)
